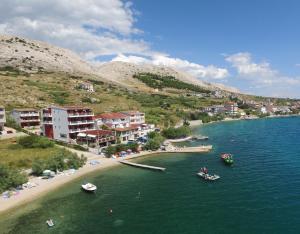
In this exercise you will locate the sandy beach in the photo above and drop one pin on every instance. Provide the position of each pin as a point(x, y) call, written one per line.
point(46, 185)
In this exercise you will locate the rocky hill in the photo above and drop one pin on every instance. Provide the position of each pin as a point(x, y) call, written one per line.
point(33, 56)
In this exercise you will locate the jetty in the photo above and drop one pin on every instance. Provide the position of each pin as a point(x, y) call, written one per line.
point(196, 149)
point(143, 166)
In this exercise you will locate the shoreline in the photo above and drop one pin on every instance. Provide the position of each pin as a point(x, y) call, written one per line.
point(44, 186)
point(47, 185)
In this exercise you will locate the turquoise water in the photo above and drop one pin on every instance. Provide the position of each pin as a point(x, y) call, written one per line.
point(259, 194)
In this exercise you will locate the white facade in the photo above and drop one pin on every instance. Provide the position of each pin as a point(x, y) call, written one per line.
point(26, 117)
point(64, 123)
point(113, 120)
point(2, 117)
point(231, 108)
point(135, 117)
point(263, 110)
point(87, 86)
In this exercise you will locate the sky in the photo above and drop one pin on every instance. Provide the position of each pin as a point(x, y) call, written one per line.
point(252, 45)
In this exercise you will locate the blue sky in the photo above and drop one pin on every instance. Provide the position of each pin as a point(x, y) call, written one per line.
point(252, 45)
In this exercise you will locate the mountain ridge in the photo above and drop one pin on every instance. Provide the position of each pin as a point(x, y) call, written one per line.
point(33, 56)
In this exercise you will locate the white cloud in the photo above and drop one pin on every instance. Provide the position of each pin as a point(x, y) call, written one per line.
point(262, 77)
point(89, 27)
point(246, 68)
point(197, 70)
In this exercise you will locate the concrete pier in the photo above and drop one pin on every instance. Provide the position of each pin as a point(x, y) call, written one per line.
point(143, 166)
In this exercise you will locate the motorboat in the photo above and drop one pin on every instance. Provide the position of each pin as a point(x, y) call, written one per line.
point(204, 174)
point(89, 187)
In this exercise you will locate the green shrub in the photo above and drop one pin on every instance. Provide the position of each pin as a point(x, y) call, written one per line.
point(62, 160)
point(11, 178)
point(175, 133)
point(34, 141)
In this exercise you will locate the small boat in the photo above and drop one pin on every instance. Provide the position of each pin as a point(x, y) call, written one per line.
point(89, 187)
point(199, 138)
point(50, 223)
point(227, 158)
point(204, 174)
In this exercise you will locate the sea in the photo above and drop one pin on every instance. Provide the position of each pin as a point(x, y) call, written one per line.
point(259, 193)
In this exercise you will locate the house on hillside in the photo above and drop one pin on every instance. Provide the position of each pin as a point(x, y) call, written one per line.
point(87, 86)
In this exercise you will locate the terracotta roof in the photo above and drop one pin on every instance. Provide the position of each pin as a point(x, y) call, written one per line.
point(112, 115)
point(99, 132)
point(72, 107)
point(131, 127)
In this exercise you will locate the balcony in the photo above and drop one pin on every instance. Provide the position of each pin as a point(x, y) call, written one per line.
point(29, 120)
point(81, 122)
point(47, 122)
point(29, 114)
point(80, 130)
point(87, 114)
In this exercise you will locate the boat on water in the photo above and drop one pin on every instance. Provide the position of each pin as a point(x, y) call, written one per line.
point(227, 159)
point(89, 187)
point(204, 174)
point(50, 223)
point(199, 138)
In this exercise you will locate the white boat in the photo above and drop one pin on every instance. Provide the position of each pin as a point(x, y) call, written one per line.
point(208, 176)
point(89, 187)
point(50, 223)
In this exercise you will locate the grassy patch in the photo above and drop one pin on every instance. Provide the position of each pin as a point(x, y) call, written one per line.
point(12, 154)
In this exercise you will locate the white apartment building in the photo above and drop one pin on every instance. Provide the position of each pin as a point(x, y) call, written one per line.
point(135, 117)
point(113, 120)
point(26, 118)
point(2, 118)
point(231, 108)
point(64, 123)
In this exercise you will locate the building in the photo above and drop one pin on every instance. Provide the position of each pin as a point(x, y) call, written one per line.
point(135, 117)
point(263, 110)
point(112, 120)
point(64, 123)
point(96, 138)
point(231, 108)
point(2, 118)
point(26, 118)
point(128, 126)
point(87, 86)
point(214, 110)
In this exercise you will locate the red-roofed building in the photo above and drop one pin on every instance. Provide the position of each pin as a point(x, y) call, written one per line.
point(135, 117)
point(113, 120)
point(127, 125)
point(96, 138)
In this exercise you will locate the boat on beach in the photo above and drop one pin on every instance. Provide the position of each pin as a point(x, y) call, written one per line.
point(227, 159)
point(204, 174)
point(89, 187)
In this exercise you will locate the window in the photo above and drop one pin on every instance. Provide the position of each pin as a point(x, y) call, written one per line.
point(62, 135)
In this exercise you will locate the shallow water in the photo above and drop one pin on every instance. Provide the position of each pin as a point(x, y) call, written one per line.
point(259, 194)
